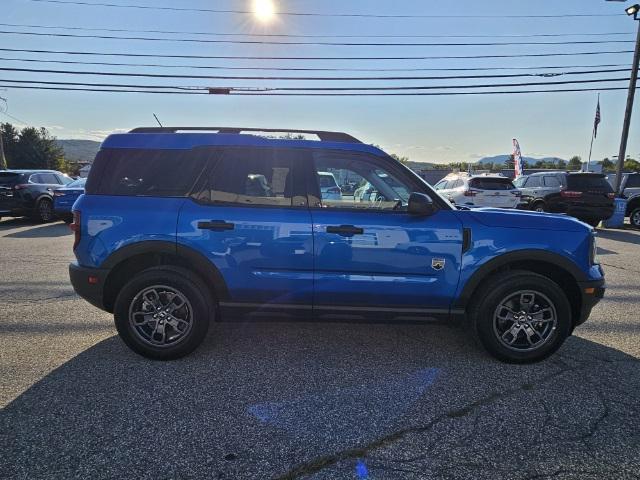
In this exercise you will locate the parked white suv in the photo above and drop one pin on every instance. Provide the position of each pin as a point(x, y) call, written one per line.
point(479, 190)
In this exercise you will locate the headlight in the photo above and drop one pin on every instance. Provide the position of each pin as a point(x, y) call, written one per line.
point(593, 255)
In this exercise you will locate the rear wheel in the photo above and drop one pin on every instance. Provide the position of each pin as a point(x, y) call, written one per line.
point(538, 207)
point(634, 217)
point(163, 313)
point(44, 210)
point(520, 317)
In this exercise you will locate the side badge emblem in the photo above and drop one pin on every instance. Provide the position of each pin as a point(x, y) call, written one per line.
point(437, 263)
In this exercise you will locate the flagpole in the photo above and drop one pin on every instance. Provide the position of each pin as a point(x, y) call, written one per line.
point(593, 134)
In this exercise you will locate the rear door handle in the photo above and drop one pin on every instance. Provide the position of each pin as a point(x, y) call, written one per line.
point(345, 230)
point(216, 225)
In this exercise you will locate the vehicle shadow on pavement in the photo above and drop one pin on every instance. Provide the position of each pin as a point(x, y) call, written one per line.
point(627, 236)
point(288, 400)
point(40, 231)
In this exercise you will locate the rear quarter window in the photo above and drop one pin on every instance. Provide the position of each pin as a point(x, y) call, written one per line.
point(152, 173)
point(491, 183)
point(588, 182)
point(8, 179)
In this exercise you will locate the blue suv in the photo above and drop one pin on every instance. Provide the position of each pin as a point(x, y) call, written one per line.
point(179, 227)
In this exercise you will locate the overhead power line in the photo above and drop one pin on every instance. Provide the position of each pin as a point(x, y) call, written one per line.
point(320, 89)
point(288, 35)
point(313, 14)
point(262, 78)
point(312, 58)
point(421, 94)
point(315, 43)
point(312, 69)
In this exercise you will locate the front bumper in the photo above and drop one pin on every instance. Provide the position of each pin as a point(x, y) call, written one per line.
point(88, 283)
point(591, 292)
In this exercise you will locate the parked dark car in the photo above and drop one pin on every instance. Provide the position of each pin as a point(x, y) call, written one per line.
point(29, 193)
point(586, 196)
point(65, 197)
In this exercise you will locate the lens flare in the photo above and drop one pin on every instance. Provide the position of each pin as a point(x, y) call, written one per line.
point(264, 10)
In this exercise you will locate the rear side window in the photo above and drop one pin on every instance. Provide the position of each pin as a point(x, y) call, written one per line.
point(491, 183)
point(152, 173)
point(551, 181)
point(255, 176)
point(8, 179)
point(588, 182)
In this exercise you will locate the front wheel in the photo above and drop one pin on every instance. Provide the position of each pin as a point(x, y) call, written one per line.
point(538, 207)
point(521, 317)
point(163, 313)
point(634, 217)
point(44, 210)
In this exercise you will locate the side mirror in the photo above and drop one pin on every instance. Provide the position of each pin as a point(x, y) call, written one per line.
point(420, 204)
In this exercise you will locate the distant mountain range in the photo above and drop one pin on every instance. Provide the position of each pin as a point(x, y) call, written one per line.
point(81, 151)
point(500, 159)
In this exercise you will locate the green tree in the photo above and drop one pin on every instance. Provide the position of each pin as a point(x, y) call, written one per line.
point(575, 163)
point(510, 163)
point(397, 157)
point(32, 148)
point(608, 165)
point(631, 165)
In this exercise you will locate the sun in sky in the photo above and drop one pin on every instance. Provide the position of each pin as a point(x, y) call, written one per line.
point(264, 10)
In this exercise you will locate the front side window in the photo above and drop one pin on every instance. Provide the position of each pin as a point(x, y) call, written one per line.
point(377, 187)
point(533, 182)
point(48, 179)
point(256, 176)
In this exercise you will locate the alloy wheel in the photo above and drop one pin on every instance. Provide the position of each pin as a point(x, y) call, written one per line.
point(161, 316)
point(525, 320)
point(45, 210)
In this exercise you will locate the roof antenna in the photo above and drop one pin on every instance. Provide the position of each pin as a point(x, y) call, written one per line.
point(156, 117)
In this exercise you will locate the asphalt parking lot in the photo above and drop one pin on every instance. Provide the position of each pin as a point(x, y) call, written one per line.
point(306, 400)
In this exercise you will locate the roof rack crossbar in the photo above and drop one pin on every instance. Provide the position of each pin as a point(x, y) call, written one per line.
point(322, 135)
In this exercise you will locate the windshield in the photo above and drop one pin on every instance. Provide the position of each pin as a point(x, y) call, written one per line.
point(79, 183)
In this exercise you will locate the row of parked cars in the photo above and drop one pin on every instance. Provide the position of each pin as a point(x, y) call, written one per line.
point(586, 196)
point(40, 194)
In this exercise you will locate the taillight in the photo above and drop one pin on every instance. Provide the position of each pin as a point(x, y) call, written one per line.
point(58, 193)
point(75, 226)
point(20, 186)
point(470, 193)
point(611, 195)
point(570, 194)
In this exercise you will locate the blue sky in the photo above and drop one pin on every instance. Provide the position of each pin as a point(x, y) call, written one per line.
point(436, 129)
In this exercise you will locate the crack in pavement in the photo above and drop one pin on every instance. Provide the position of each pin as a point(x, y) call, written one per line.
point(321, 463)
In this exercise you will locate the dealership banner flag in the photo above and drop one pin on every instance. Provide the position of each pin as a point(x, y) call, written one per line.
point(517, 158)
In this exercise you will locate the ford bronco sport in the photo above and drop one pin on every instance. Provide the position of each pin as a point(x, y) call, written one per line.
point(182, 226)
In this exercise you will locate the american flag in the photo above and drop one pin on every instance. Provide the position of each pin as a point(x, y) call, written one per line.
point(517, 158)
point(596, 122)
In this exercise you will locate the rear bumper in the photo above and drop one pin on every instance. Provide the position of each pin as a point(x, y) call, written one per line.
point(80, 279)
point(591, 292)
point(599, 212)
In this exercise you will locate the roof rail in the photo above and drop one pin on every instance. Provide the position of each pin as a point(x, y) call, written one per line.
point(322, 135)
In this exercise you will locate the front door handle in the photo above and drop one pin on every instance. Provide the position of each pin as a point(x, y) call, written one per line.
point(216, 225)
point(345, 230)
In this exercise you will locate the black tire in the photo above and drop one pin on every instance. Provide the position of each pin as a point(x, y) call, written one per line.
point(44, 210)
point(538, 207)
point(196, 310)
point(485, 324)
point(634, 217)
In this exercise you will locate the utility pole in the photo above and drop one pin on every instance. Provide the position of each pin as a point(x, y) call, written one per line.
point(633, 10)
point(3, 159)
